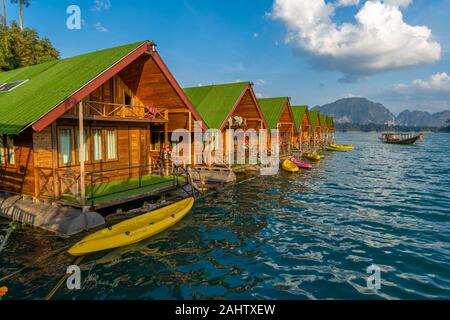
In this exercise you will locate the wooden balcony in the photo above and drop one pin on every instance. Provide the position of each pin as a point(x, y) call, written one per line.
point(105, 188)
point(102, 111)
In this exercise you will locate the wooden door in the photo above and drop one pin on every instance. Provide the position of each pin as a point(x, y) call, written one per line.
point(138, 154)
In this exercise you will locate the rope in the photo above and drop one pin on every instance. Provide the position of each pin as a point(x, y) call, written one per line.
point(62, 280)
point(5, 239)
point(35, 263)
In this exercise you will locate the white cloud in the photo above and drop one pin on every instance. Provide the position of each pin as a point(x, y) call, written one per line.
point(431, 94)
point(260, 82)
point(348, 95)
point(259, 95)
point(398, 3)
point(379, 40)
point(100, 28)
point(436, 83)
point(101, 5)
point(228, 69)
point(347, 3)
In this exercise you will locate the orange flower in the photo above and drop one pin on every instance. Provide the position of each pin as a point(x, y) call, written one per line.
point(3, 291)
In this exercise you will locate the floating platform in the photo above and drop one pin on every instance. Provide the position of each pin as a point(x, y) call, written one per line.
point(64, 221)
point(216, 174)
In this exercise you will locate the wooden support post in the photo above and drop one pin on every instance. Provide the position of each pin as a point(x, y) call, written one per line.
point(166, 140)
point(82, 155)
point(166, 127)
point(190, 136)
point(229, 146)
point(56, 191)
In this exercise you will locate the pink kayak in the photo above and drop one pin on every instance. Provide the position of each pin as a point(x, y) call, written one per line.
point(301, 164)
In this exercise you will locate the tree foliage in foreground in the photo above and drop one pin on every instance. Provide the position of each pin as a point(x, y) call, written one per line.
point(20, 49)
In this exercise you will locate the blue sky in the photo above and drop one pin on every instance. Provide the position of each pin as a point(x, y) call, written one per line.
point(216, 41)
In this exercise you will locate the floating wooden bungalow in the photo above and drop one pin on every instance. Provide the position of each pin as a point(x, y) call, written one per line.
point(119, 104)
point(227, 106)
point(316, 129)
point(324, 128)
point(278, 115)
point(303, 125)
point(331, 129)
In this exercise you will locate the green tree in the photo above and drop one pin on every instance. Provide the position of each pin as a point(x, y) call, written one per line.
point(23, 48)
point(21, 3)
point(4, 13)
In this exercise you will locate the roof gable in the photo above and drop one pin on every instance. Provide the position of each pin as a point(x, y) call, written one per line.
point(50, 84)
point(314, 116)
point(330, 121)
point(299, 112)
point(272, 109)
point(323, 121)
point(214, 103)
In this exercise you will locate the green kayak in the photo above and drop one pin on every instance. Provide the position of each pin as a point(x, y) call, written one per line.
point(336, 149)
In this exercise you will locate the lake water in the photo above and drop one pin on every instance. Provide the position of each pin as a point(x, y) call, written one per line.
point(307, 236)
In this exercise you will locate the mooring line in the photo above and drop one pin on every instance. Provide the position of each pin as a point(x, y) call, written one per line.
point(76, 262)
point(35, 263)
point(5, 239)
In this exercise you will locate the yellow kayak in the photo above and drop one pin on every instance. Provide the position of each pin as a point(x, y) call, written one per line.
point(289, 166)
point(342, 146)
point(313, 156)
point(133, 230)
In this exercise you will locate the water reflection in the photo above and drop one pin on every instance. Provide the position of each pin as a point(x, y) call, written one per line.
point(307, 236)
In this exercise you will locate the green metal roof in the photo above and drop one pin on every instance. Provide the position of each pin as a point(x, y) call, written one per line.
point(323, 121)
point(299, 112)
point(313, 115)
point(214, 103)
point(51, 83)
point(330, 121)
point(272, 109)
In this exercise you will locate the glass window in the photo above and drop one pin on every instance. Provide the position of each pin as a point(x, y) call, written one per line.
point(111, 143)
point(97, 143)
point(11, 154)
point(85, 144)
point(65, 143)
point(2, 151)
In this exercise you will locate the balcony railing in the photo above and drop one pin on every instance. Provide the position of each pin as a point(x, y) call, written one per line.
point(94, 110)
point(104, 187)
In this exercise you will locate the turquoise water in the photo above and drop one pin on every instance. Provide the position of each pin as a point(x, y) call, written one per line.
point(307, 236)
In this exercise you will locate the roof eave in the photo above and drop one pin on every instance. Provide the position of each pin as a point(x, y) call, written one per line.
point(64, 106)
point(241, 96)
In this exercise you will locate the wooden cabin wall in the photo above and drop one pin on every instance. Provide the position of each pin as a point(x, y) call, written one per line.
point(248, 109)
point(133, 150)
point(126, 138)
point(19, 178)
point(146, 80)
point(111, 92)
point(286, 115)
point(305, 129)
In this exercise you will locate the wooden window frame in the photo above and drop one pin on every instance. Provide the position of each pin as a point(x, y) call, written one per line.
point(104, 141)
point(102, 160)
point(161, 141)
point(5, 147)
point(88, 142)
point(11, 165)
point(5, 150)
point(105, 134)
point(73, 153)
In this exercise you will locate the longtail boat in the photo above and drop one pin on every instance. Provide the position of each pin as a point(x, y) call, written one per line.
point(401, 138)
